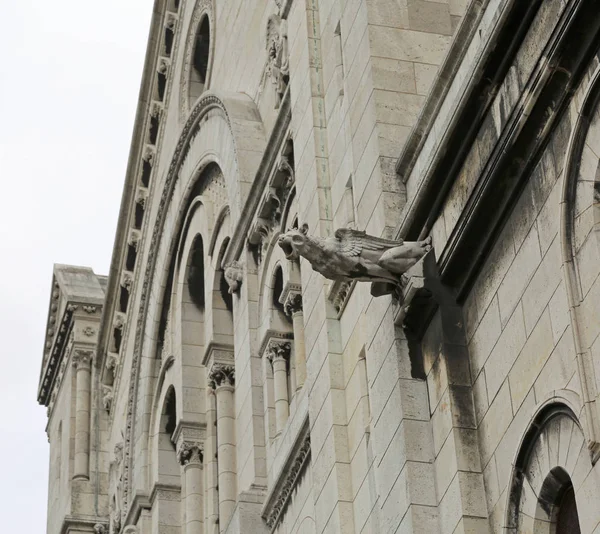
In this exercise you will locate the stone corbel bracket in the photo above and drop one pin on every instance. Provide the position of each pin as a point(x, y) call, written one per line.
point(272, 203)
point(419, 295)
point(287, 478)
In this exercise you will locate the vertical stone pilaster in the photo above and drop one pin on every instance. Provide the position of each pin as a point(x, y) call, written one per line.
point(222, 380)
point(279, 356)
point(82, 362)
point(190, 455)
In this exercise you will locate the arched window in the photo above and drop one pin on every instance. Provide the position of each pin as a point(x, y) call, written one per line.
point(200, 59)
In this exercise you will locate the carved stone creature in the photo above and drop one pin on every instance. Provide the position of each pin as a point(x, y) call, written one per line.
point(354, 255)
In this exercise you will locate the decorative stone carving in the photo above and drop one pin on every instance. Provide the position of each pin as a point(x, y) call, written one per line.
point(112, 361)
point(149, 153)
point(222, 375)
point(278, 66)
point(99, 528)
point(339, 294)
point(354, 255)
point(70, 308)
point(88, 331)
point(277, 501)
point(134, 238)
point(89, 309)
point(82, 358)
point(163, 66)
point(131, 529)
point(127, 280)
point(234, 274)
point(119, 321)
point(107, 397)
point(141, 196)
point(293, 303)
point(279, 351)
point(170, 21)
point(116, 488)
point(190, 452)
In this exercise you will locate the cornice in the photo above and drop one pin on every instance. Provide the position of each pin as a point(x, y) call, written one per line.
point(287, 478)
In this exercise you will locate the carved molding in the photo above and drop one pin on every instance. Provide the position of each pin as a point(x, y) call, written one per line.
point(339, 295)
point(88, 331)
point(279, 497)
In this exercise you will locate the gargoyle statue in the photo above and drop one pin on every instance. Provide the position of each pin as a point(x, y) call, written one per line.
point(354, 255)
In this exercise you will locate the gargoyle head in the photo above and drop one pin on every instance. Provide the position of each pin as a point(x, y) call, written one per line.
point(295, 243)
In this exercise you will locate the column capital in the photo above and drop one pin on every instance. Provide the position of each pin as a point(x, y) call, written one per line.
point(82, 358)
point(279, 351)
point(221, 375)
point(293, 303)
point(190, 452)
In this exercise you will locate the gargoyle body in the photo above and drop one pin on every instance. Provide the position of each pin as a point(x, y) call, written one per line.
point(354, 255)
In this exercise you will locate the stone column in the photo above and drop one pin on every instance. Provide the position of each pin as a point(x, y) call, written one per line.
point(223, 380)
point(279, 355)
point(212, 471)
point(82, 362)
point(190, 455)
point(293, 307)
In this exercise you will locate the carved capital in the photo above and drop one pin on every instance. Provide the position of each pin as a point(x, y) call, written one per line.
point(293, 303)
point(277, 351)
point(190, 452)
point(234, 274)
point(222, 375)
point(82, 359)
point(112, 361)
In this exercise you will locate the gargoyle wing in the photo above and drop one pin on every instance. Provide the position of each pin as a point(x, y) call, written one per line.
point(353, 242)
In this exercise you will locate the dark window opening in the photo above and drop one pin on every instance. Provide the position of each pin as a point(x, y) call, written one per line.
point(117, 336)
point(225, 294)
point(278, 289)
point(567, 519)
point(176, 4)
point(139, 215)
point(161, 84)
point(170, 412)
point(124, 299)
point(169, 35)
point(200, 59)
point(131, 255)
point(196, 273)
point(146, 171)
point(154, 124)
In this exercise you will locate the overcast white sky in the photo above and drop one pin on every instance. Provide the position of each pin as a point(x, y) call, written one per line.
point(69, 82)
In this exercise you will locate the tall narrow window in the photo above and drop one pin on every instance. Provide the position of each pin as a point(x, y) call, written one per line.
point(200, 60)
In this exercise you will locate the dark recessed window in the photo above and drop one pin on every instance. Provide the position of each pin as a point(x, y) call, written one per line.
point(200, 59)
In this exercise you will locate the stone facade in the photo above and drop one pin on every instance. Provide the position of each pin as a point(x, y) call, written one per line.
point(215, 383)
